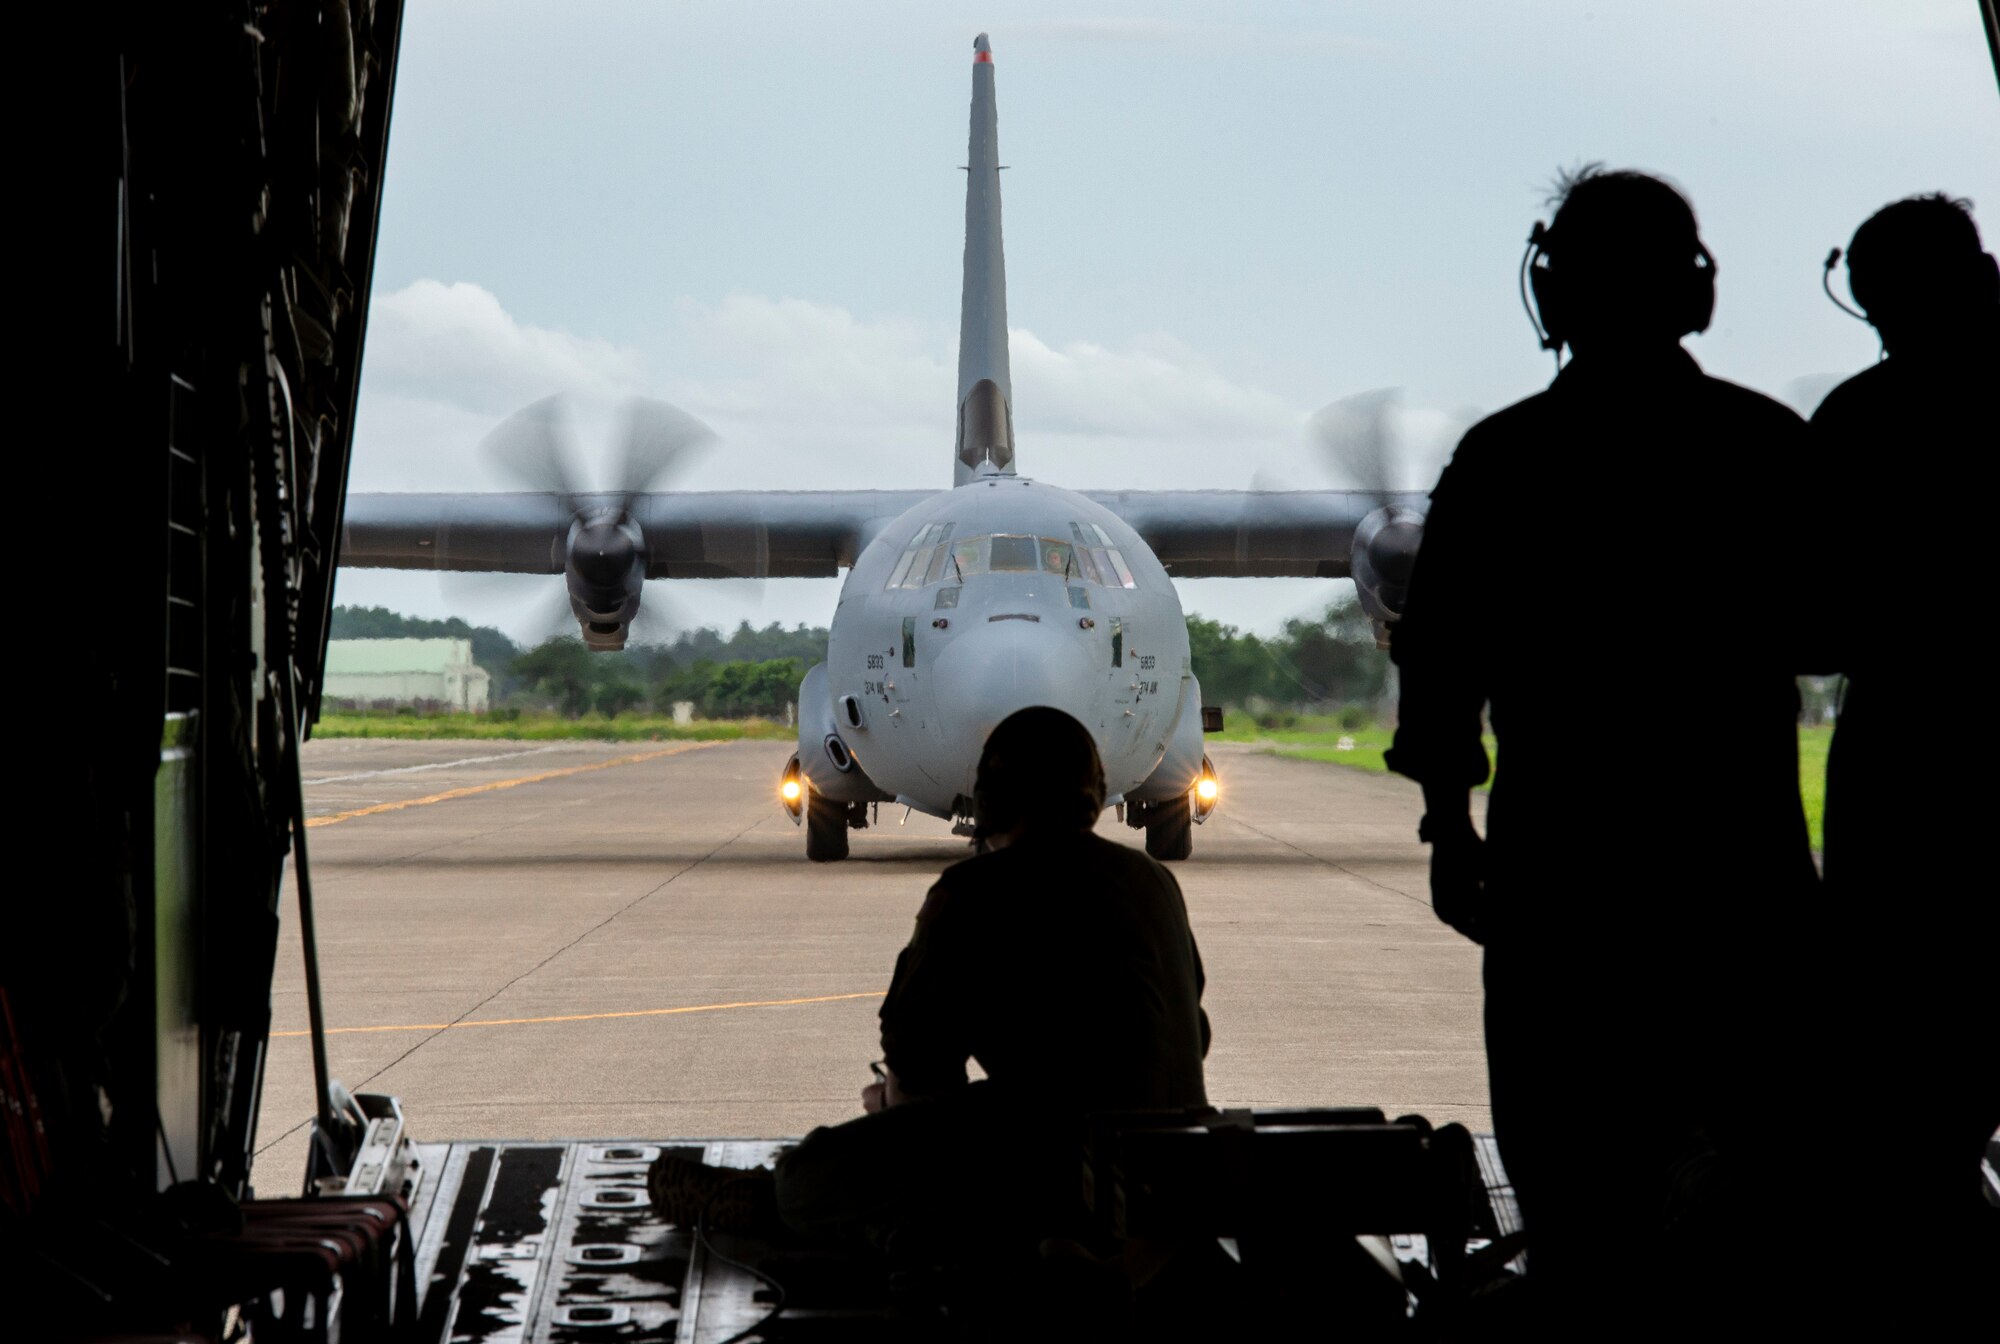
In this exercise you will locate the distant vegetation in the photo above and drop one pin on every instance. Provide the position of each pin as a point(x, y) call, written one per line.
point(1317, 690)
point(1328, 665)
point(1341, 740)
point(1322, 665)
point(491, 649)
point(539, 726)
point(747, 674)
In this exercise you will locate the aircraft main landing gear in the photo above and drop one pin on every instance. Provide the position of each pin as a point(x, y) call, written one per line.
point(826, 828)
point(1169, 822)
point(1170, 829)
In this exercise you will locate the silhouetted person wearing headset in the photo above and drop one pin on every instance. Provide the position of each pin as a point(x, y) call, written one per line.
point(1909, 781)
point(1599, 566)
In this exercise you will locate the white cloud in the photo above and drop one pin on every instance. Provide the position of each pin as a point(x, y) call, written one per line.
point(1158, 389)
point(817, 397)
point(805, 395)
point(793, 360)
point(455, 344)
point(811, 395)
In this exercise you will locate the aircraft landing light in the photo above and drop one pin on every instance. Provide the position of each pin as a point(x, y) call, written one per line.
point(1207, 789)
point(790, 789)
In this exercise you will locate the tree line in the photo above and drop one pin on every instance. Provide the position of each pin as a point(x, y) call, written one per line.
point(751, 672)
point(748, 673)
point(1326, 662)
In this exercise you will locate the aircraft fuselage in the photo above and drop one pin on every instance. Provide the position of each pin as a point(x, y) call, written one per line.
point(985, 599)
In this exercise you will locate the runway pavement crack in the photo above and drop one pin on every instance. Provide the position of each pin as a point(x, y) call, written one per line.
point(673, 877)
point(1337, 867)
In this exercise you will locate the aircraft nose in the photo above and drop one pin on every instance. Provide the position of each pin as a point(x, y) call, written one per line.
point(1008, 663)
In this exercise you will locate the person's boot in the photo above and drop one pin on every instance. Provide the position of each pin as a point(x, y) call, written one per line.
point(688, 1193)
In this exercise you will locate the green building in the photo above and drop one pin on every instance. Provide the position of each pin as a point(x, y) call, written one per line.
point(430, 673)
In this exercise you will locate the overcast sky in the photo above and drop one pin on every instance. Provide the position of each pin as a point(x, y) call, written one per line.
point(1213, 227)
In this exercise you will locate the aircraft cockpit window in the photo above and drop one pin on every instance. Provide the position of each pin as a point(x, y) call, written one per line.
point(1079, 597)
point(932, 557)
point(1015, 554)
point(1098, 558)
point(947, 597)
point(925, 560)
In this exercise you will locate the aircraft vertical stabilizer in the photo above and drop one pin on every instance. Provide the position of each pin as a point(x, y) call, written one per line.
point(985, 387)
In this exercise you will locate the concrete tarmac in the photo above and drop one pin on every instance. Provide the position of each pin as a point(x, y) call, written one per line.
point(565, 940)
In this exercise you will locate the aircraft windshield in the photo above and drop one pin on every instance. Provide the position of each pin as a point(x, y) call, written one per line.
point(932, 557)
point(1014, 554)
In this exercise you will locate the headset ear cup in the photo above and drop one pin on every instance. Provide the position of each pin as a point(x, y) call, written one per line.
point(1701, 295)
point(1703, 312)
point(1548, 305)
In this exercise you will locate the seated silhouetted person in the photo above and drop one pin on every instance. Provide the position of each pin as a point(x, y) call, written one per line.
point(1598, 570)
point(1062, 963)
point(1909, 782)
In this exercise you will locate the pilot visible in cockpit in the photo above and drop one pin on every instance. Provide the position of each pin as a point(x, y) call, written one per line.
point(1060, 961)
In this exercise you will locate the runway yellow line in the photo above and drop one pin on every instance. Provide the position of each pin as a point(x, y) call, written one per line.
point(467, 792)
point(592, 1017)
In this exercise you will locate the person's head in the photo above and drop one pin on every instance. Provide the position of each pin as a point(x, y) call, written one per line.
point(1039, 772)
point(1622, 263)
point(1917, 269)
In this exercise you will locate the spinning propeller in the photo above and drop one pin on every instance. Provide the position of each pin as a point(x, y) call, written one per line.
point(1356, 438)
point(606, 551)
point(1361, 447)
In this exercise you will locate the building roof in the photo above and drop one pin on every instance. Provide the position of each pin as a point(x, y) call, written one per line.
point(397, 655)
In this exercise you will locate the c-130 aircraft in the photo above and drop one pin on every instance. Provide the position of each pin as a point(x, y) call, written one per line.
point(960, 606)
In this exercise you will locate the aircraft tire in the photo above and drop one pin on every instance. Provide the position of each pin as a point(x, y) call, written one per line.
point(1170, 830)
point(826, 828)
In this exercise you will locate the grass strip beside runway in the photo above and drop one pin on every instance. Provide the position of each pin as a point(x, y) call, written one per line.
point(1320, 739)
point(534, 726)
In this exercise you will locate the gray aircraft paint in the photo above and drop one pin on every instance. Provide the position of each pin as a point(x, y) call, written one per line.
point(1009, 640)
point(985, 420)
point(716, 534)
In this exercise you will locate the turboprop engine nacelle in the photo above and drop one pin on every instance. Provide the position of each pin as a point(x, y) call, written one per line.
point(605, 570)
point(1385, 551)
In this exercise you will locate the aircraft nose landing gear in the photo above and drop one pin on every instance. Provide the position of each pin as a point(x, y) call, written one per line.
point(827, 820)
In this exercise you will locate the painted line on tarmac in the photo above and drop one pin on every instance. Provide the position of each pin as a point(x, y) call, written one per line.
point(438, 765)
point(467, 792)
point(593, 1017)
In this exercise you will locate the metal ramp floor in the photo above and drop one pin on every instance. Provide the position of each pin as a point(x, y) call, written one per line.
point(555, 1242)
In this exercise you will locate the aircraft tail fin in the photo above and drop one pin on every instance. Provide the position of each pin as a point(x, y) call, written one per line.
point(985, 386)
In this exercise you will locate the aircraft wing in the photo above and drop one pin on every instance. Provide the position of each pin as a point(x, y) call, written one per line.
point(1204, 534)
point(717, 534)
point(817, 533)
